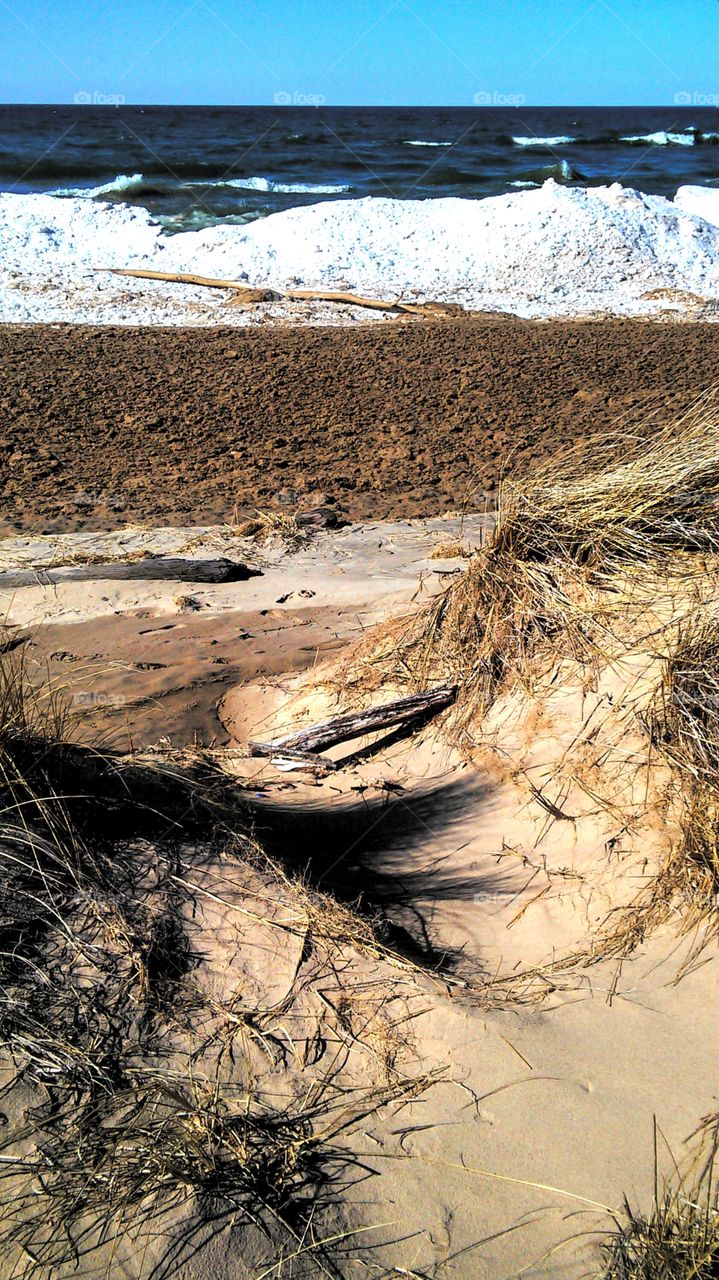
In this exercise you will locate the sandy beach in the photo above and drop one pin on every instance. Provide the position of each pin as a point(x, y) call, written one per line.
point(358, 749)
point(491, 904)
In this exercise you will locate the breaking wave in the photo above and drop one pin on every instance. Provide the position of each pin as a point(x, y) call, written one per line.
point(268, 184)
point(660, 139)
point(562, 141)
point(121, 184)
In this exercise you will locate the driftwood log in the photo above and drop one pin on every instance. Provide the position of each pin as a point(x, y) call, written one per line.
point(246, 296)
point(149, 569)
point(304, 746)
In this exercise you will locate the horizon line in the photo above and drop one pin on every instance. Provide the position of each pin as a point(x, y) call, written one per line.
point(376, 106)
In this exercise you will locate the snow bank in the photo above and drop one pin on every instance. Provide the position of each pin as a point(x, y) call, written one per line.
point(553, 251)
point(45, 234)
point(703, 202)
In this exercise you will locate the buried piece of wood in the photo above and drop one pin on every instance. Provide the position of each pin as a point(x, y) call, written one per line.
point(302, 761)
point(307, 742)
point(245, 295)
point(149, 568)
point(353, 300)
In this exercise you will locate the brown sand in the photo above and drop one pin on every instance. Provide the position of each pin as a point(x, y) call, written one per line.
point(137, 680)
point(143, 660)
point(105, 426)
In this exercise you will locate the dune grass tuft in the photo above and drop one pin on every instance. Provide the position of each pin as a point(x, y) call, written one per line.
point(179, 1150)
point(562, 534)
point(145, 1095)
point(679, 1238)
point(684, 725)
point(274, 526)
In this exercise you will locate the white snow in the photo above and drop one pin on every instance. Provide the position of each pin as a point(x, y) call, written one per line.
point(552, 251)
point(701, 201)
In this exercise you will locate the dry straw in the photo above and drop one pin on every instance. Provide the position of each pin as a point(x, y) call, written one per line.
point(103, 1021)
point(679, 1238)
point(684, 726)
point(564, 536)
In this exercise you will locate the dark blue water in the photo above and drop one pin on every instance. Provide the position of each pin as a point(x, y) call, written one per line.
point(194, 166)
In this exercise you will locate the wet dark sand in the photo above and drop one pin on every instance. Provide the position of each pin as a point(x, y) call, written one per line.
point(101, 427)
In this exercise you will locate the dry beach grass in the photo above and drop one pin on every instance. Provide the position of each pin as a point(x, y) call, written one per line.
point(158, 1094)
point(135, 1123)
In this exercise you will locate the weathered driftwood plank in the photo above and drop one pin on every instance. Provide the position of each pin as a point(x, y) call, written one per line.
point(185, 277)
point(150, 568)
point(245, 295)
point(307, 742)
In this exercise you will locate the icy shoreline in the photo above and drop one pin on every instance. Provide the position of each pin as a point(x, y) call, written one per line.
point(550, 252)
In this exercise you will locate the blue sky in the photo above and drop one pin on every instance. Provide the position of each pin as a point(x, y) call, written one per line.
point(420, 52)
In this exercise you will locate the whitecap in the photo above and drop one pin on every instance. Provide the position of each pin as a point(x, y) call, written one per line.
point(267, 184)
point(561, 141)
point(661, 139)
point(123, 182)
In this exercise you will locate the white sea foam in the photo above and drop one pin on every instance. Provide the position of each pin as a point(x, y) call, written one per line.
point(660, 139)
point(267, 184)
point(124, 182)
point(417, 142)
point(561, 141)
point(551, 251)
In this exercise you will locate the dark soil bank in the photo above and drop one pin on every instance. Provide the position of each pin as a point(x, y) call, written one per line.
point(101, 427)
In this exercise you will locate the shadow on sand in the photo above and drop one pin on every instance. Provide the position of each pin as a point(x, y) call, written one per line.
point(391, 856)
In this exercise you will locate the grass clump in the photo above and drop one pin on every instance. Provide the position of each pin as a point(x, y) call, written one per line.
point(146, 1104)
point(449, 550)
point(179, 1149)
point(679, 1238)
point(275, 526)
point(620, 500)
point(684, 724)
point(679, 1241)
point(564, 537)
point(686, 713)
